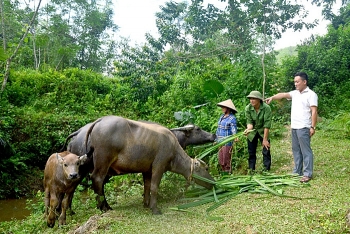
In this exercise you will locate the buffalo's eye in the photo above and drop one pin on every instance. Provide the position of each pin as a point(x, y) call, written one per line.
point(78, 163)
point(65, 165)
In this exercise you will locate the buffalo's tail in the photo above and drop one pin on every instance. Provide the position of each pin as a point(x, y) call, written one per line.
point(88, 133)
point(69, 137)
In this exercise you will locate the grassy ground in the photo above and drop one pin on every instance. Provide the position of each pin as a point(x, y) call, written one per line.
point(323, 209)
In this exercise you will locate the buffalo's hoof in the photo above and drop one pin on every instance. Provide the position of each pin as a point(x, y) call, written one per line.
point(61, 223)
point(71, 212)
point(105, 207)
point(50, 225)
point(102, 204)
point(156, 211)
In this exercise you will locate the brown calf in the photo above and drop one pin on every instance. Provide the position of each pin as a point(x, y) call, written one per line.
point(61, 177)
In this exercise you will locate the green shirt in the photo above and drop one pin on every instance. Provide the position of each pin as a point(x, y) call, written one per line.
point(259, 120)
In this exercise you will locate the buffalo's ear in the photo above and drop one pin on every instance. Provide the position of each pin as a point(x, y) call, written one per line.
point(83, 159)
point(86, 157)
point(59, 158)
point(197, 165)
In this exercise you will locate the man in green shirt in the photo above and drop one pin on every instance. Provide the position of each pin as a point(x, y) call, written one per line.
point(258, 115)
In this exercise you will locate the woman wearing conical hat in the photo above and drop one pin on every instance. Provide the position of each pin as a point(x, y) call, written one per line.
point(227, 126)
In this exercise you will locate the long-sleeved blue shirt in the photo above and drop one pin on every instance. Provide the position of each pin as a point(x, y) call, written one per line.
point(227, 126)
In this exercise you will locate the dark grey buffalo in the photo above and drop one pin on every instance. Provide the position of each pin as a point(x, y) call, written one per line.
point(186, 135)
point(192, 135)
point(124, 146)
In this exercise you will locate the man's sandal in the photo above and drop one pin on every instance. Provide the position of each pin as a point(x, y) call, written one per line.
point(305, 179)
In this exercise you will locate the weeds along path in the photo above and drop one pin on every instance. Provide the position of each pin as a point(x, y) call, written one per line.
point(281, 152)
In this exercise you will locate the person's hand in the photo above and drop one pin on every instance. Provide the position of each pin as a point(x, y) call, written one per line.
point(266, 144)
point(246, 132)
point(268, 100)
point(312, 132)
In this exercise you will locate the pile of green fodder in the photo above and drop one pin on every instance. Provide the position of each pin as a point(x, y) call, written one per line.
point(229, 186)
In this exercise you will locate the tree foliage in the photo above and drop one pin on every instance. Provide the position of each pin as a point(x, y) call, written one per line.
point(145, 71)
point(65, 34)
point(56, 86)
point(171, 25)
point(326, 59)
point(18, 46)
point(242, 27)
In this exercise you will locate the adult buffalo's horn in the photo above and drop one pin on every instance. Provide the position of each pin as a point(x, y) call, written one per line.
point(184, 128)
point(200, 161)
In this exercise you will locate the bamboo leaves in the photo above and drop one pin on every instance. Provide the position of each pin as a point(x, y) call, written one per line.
point(222, 142)
point(229, 187)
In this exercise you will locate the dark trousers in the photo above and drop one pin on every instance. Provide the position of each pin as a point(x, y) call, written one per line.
point(252, 145)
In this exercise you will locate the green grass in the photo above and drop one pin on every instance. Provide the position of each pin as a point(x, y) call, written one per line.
point(245, 213)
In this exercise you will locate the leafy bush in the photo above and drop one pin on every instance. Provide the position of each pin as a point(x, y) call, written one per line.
point(338, 127)
point(326, 59)
point(40, 109)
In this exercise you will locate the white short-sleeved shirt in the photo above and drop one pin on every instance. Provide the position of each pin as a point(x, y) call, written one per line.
point(301, 107)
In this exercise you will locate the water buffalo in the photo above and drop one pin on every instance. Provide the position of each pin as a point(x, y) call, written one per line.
point(124, 146)
point(186, 135)
point(192, 135)
point(61, 177)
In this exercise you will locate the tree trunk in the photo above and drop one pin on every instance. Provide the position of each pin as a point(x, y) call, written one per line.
point(3, 24)
point(263, 62)
point(9, 60)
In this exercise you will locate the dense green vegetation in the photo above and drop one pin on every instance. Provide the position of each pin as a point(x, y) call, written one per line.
point(42, 105)
point(69, 72)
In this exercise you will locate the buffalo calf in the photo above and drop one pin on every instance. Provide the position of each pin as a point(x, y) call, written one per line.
point(61, 177)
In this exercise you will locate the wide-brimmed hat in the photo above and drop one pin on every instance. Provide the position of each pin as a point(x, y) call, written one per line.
point(228, 103)
point(255, 94)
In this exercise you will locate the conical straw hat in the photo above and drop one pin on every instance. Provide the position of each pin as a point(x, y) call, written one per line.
point(228, 103)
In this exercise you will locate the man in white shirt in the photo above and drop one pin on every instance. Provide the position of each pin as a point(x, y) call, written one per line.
point(303, 124)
